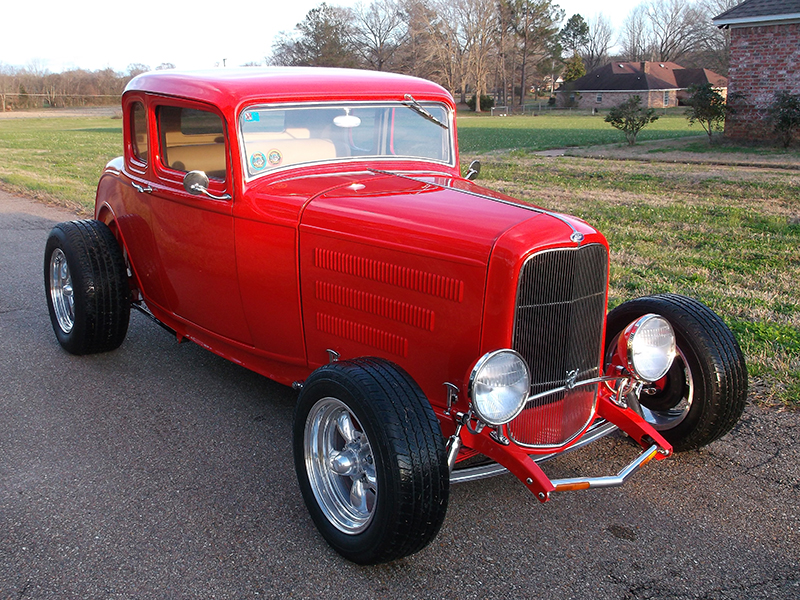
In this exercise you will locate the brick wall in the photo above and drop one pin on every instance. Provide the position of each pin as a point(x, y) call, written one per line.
point(588, 100)
point(763, 60)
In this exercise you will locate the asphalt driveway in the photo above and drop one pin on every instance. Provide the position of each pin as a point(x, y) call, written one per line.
point(162, 471)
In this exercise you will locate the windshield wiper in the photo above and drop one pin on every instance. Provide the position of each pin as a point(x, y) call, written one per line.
point(411, 103)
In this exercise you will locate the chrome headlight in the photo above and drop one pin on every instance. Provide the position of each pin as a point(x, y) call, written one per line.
point(498, 386)
point(650, 350)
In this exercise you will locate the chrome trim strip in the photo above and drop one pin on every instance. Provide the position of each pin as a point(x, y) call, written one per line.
point(609, 481)
point(572, 386)
point(597, 431)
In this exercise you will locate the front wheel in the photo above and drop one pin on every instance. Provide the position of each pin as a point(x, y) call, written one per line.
point(370, 460)
point(703, 394)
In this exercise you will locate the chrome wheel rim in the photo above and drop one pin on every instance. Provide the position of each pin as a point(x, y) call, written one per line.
point(340, 466)
point(61, 291)
point(668, 418)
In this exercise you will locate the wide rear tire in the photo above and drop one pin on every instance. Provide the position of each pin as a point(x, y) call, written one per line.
point(704, 393)
point(370, 460)
point(87, 289)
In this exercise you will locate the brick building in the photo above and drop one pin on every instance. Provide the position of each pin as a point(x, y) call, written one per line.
point(765, 58)
point(658, 84)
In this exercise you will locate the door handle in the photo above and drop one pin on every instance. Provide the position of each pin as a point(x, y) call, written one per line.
point(142, 189)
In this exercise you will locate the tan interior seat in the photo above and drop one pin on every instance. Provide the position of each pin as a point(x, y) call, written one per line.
point(205, 157)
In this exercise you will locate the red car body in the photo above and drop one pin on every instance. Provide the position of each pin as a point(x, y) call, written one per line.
point(305, 248)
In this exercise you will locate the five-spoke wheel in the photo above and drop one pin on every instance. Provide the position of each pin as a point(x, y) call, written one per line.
point(370, 460)
point(340, 465)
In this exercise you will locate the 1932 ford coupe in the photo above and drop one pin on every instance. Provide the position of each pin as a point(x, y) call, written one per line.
point(313, 225)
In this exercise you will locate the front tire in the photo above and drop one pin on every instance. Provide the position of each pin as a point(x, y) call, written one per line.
point(370, 460)
point(87, 289)
point(703, 395)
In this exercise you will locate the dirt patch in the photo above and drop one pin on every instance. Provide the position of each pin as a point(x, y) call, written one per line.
point(692, 150)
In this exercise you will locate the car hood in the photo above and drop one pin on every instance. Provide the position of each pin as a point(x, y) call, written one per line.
point(430, 215)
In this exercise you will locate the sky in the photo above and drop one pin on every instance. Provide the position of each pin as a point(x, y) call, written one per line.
point(56, 36)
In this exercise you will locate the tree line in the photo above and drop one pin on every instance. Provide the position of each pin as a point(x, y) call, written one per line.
point(506, 48)
point(34, 86)
point(503, 49)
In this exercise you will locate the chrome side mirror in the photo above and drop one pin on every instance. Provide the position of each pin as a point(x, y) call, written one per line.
point(474, 170)
point(196, 182)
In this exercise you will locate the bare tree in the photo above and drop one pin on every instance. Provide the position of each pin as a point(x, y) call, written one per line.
point(664, 30)
point(377, 32)
point(601, 39)
point(675, 29)
point(505, 65)
point(135, 69)
point(480, 25)
point(715, 43)
point(635, 35)
point(416, 54)
point(451, 45)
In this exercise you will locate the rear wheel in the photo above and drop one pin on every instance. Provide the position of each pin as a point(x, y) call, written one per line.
point(370, 460)
point(86, 281)
point(703, 394)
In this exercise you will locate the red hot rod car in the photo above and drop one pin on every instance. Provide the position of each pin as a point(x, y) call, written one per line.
point(313, 226)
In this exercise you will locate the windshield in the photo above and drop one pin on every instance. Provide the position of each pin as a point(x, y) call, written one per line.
point(277, 137)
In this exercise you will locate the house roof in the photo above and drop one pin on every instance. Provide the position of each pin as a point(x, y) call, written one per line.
point(759, 12)
point(645, 76)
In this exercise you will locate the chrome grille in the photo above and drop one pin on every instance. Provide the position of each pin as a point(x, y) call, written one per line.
point(559, 330)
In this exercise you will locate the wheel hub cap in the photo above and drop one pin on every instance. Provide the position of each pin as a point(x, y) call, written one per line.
point(340, 466)
point(61, 291)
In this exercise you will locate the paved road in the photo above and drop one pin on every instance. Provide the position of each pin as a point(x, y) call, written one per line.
point(162, 471)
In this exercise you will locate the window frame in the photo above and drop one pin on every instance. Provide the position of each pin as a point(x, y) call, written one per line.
point(340, 160)
point(134, 161)
point(174, 177)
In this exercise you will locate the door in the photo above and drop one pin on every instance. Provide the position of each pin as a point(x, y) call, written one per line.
point(195, 233)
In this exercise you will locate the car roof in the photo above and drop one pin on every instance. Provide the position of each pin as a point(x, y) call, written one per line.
point(231, 87)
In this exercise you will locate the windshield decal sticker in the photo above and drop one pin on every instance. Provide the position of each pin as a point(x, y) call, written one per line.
point(258, 161)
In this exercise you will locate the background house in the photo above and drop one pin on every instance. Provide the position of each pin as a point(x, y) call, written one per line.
point(764, 59)
point(658, 84)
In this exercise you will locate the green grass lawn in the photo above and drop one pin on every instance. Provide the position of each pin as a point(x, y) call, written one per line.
point(58, 158)
point(559, 130)
point(727, 236)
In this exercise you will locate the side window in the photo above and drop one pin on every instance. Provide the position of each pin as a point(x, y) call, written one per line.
point(192, 140)
point(139, 131)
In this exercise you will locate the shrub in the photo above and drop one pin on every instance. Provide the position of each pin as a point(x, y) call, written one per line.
point(487, 102)
point(785, 116)
point(708, 107)
point(630, 117)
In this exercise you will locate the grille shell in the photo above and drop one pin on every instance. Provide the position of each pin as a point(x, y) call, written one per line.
point(558, 329)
